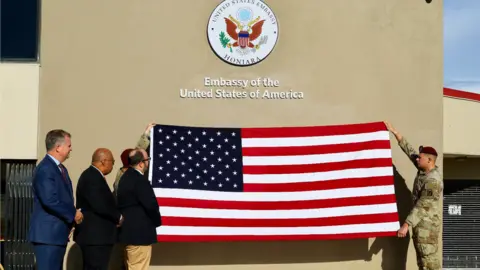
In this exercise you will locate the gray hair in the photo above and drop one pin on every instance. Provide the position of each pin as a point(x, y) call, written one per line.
point(55, 137)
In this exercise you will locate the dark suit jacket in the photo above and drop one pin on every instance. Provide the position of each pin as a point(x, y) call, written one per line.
point(53, 206)
point(100, 213)
point(137, 202)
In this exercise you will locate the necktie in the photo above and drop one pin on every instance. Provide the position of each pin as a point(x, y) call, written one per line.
point(63, 172)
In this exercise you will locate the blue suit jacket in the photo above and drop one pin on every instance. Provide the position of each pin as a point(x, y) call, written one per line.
point(53, 206)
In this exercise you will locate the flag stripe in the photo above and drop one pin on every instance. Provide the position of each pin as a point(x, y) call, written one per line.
point(320, 185)
point(291, 205)
point(311, 131)
point(351, 228)
point(280, 214)
point(317, 167)
point(327, 221)
point(314, 149)
point(318, 158)
point(257, 237)
point(317, 176)
point(310, 141)
point(274, 196)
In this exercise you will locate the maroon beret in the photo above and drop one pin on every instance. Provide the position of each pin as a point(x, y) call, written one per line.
point(124, 157)
point(428, 150)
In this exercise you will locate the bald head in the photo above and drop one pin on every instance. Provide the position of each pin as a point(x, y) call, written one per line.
point(101, 154)
point(103, 160)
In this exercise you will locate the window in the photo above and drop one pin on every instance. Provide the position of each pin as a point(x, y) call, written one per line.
point(19, 30)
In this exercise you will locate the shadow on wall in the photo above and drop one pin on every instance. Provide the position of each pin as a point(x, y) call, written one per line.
point(394, 250)
point(274, 252)
point(224, 253)
point(74, 260)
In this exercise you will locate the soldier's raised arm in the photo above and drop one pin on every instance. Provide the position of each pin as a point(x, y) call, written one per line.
point(144, 140)
point(142, 143)
point(427, 204)
point(406, 147)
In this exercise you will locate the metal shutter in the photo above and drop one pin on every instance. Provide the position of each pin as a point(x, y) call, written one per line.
point(461, 224)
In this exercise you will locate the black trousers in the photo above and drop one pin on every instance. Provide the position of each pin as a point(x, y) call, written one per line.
point(96, 257)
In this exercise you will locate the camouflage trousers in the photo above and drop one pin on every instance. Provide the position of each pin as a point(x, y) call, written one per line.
point(425, 240)
point(427, 256)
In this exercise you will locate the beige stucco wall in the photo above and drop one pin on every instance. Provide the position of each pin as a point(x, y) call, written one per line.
point(461, 128)
point(109, 68)
point(19, 83)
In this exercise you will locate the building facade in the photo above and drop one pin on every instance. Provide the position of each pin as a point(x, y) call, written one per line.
point(105, 70)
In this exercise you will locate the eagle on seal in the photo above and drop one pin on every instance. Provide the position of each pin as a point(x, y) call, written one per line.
point(244, 34)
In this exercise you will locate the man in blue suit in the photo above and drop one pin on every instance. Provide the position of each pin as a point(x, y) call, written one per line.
point(54, 213)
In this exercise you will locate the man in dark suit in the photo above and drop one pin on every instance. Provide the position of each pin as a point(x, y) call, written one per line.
point(138, 204)
point(54, 213)
point(97, 234)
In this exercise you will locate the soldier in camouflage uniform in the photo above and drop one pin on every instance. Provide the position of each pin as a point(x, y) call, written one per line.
point(142, 143)
point(425, 217)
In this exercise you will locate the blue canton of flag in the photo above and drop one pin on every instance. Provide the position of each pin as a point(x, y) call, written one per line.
point(197, 158)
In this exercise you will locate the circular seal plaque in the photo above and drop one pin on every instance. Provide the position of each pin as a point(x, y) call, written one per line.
point(242, 32)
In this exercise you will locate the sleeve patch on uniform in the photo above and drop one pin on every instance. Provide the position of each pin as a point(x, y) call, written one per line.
point(430, 186)
point(427, 193)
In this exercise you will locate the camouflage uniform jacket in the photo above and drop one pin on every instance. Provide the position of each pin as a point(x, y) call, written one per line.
point(142, 143)
point(427, 191)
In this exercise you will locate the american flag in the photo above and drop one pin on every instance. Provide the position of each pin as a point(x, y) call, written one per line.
point(285, 183)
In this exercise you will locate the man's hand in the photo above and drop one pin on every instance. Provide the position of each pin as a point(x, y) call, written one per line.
point(149, 127)
point(393, 130)
point(389, 126)
point(79, 216)
point(402, 232)
point(120, 222)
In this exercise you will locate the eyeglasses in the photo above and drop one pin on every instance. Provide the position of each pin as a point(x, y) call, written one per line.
point(147, 159)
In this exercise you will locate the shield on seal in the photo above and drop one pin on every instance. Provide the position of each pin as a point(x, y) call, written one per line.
point(243, 39)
